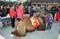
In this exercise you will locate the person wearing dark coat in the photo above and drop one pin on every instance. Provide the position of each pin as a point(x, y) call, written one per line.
point(2, 11)
point(26, 10)
point(53, 10)
point(8, 9)
point(31, 12)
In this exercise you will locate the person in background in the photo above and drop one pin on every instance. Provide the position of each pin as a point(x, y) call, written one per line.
point(38, 9)
point(29, 10)
point(57, 17)
point(8, 9)
point(26, 9)
point(49, 20)
point(2, 11)
point(5, 8)
point(1, 7)
point(12, 15)
point(32, 10)
point(20, 11)
point(53, 10)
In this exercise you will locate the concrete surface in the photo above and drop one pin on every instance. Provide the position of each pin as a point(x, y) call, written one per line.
point(48, 34)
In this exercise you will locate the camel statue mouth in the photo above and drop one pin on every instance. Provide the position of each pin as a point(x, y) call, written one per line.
point(16, 34)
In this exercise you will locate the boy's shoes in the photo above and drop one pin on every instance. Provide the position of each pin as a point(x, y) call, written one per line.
point(12, 35)
point(48, 28)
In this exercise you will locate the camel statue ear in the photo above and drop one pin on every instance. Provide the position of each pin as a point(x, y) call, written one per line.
point(26, 16)
point(37, 14)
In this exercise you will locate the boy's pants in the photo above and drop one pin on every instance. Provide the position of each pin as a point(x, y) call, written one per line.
point(49, 25)
point(13, 22)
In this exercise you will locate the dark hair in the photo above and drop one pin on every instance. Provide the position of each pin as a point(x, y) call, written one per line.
point(11, 5)
point(57, 10)
point(20, 3)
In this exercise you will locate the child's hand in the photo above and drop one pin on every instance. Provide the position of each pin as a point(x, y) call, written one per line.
point(55, 21)
point(12, 17)
point(59, 19)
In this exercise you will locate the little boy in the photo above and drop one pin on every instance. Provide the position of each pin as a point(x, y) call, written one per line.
point(49, 20)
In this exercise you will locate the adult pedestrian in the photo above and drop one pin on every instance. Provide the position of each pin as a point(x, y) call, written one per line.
point(12, 15)
point(20, 11)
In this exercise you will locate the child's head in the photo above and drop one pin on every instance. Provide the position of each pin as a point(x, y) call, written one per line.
point(11, 6)
point(49, 14)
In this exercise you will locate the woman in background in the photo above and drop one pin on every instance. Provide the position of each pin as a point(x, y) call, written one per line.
point(57, 17)
point(20, 11)
point(12, 15)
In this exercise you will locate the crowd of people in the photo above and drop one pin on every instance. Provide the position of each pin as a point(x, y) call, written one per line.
point(4, 10)
point(52, 14)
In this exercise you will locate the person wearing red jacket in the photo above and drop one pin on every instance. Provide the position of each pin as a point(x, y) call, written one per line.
point(12, 15)
point(57, 16)
point(20, 11)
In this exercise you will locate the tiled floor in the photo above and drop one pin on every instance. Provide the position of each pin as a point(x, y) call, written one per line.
point(48, 34)
point(1, 37)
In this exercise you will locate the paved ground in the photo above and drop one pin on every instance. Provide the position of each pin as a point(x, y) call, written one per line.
point(48, 34)
point(58, 37)
point(1, 37)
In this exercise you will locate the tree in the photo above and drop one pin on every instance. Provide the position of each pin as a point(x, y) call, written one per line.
point(6, 3)
point(27, 3)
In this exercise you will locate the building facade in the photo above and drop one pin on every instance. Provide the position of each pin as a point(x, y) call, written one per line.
point(44, 1)
point(49, 2)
